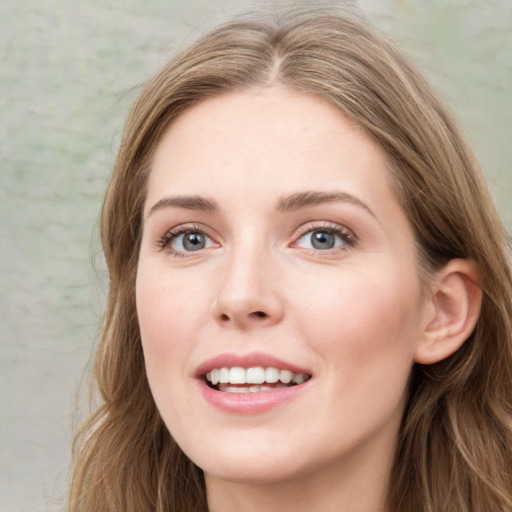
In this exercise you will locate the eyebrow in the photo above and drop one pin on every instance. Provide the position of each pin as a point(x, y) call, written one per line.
point(188, 202)
point(288, 203)
point(313, 198)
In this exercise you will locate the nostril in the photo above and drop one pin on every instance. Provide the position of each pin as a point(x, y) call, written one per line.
point(257, 314)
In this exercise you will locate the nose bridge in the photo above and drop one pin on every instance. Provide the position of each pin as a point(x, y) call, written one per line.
point(247, 292)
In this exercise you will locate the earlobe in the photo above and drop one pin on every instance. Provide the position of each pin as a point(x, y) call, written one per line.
point(456, 298)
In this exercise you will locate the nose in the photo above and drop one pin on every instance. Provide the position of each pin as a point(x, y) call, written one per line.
point(248, 292)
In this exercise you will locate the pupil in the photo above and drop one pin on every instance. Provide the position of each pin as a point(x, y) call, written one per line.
point(193, 241)
point(322, 240)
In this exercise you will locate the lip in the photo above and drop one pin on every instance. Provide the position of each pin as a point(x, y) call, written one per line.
point(248, 403)
point(250, 360)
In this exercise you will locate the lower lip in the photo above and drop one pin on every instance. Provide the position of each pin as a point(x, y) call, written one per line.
point(250, 403)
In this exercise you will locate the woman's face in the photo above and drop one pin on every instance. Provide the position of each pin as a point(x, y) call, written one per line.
point(274, 248)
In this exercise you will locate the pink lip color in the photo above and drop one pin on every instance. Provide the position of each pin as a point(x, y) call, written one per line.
point(248, 403)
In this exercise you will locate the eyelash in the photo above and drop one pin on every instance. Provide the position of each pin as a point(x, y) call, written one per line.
point(165, 241)
point(348, 238)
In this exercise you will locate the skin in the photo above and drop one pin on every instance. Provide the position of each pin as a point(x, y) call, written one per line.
point(353, 316)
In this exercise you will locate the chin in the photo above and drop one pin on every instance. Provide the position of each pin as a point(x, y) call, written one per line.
point(260, 462)
point(252, 472)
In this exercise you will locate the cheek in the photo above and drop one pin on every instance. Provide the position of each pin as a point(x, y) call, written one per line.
point(163, 326)
point(168, 309)
point(159, 308)
point(367, 320)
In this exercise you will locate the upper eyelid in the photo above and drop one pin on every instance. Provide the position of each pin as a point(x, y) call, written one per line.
point(323, 224)
point(164, 240)
point(187, 227)
point(350, 238)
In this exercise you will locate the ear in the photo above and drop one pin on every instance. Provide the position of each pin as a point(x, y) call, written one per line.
point(456, 298)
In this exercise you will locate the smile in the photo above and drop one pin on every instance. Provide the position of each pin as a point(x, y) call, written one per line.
point(253, 380)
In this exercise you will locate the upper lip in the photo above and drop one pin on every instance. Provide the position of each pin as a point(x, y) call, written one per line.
point(230, 360)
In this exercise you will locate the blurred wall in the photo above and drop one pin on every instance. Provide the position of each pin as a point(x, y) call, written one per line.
point(69, 70)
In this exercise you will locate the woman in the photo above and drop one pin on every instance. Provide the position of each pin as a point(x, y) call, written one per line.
point(310, 289)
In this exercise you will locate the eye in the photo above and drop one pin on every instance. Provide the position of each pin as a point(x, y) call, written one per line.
point(325, 238)
point(185, 240)
point(190, 242)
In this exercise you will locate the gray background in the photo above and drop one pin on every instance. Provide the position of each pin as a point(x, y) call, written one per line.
point(69, 70)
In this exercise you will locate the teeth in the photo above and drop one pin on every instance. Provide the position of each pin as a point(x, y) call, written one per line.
point(224, 375)
point(298, 379)
point(237, 375)
point(271, 374)
point(285, 376)
point(228, 389)
point(253, 375)
point(249, 389)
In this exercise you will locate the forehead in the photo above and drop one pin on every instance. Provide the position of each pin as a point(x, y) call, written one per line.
point(263, 142)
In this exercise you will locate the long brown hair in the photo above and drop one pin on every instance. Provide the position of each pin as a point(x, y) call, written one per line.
point(455, 444)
